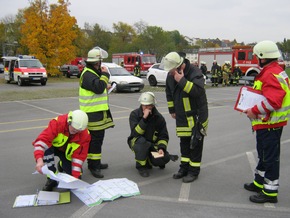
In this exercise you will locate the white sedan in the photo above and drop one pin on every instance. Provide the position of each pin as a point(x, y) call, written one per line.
point(124, 80)
point(156, 74)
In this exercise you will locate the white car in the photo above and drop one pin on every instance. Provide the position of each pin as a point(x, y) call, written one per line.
point(156, 74)
point(124, 80)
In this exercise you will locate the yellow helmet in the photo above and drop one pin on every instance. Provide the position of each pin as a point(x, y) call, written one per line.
point(172, 60)
point(147, 98)
point(78, 119)
point(266, 50)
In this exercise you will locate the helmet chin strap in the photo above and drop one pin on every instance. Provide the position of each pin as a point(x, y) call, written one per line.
point(267, 61)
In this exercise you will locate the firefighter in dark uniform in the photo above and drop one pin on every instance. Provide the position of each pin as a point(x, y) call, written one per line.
point(237, 73)
point(93, 99)
point(148, 134)
point(187, 104)
point(137, 70)
point(215, 72)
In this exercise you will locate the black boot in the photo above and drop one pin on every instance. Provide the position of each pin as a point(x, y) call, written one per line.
point(189, 178)
point(104, 166)
point(252, 187)
point(143, 171)
point(181, 173)
point(262, 198)
point(96, 172)
point(49, 185)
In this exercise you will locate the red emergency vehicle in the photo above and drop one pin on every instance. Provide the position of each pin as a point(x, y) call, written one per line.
point(241, 55)
point(80, 62)
point(128, 61)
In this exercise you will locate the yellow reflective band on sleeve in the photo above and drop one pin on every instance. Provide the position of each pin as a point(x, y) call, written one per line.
point(78, 169)
point(105, 79)
point(162, 142)
point(139, 130)
point(188, 86)
point(170, 104)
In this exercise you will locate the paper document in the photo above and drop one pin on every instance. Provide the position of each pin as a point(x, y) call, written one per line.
point(247, 98)
point(156, 154)
point(112, 88)
point(106, 190)
point(41, 199)
point(65, 180)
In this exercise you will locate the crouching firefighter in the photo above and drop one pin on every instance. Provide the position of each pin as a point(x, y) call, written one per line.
point(149, 134)
point(66, 137)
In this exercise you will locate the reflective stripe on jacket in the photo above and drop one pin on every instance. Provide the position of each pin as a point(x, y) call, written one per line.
point(274, 84)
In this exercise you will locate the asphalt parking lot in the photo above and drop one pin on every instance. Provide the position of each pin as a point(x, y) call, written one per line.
point(229, 159)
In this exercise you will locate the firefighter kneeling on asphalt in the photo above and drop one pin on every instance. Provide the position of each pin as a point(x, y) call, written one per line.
point(148, 134)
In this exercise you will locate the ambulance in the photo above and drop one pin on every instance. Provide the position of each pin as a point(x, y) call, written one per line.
point(24, 69)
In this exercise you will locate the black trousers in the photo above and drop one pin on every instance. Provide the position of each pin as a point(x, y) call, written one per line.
point(95, 149)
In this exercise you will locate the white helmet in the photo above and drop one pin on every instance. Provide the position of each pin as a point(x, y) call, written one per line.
point(147, 98)
point(78, 119)
point(96, 54)
point(266, 50)
point(172, 60)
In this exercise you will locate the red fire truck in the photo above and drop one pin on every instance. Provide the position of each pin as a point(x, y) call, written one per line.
point(241, 55)
point(128, 61)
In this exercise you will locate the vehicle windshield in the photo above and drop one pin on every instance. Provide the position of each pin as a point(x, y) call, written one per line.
point(149, 59)
point(30, 63)
point(119, 71)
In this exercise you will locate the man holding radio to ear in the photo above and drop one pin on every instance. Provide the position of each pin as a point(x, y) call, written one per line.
point(68, 138)
point(187, 104)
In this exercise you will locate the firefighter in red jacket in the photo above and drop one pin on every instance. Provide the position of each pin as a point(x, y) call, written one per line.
point(268, 118)
point(66, 137)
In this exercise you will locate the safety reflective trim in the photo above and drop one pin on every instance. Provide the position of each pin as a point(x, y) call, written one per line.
point(139, 130)
point(164, 142)
point(43, 144)
point(205, 124)
point(95, 97)
point(141, 162)
point(105, 79)
point(92, 156)
point(183, 129)
point(170, 104)
point(185, 159)
point(194, 164)
point(190, 121)
point(271, 187)
point(267, 105)
point(281, 79)
point(77, 161)
point(50, 163)
point(101, 127)
point(39, 148)
point(188, 86)
point(269, 182)
point(258, 185)
point(186, 104)
point(75, 168)
point(270, 194)
point(261, 173)
point(48, 157)
point(184, 134)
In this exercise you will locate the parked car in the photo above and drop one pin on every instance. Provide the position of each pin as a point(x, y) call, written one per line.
point(156, 74)
point(124, 80)
point(70, 70)
point(1, 68)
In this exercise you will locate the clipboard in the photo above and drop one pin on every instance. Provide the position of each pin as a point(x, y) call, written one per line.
point(248, 98)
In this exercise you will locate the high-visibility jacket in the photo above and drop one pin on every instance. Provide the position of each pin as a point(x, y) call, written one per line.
point(187, 99)
point(153, 129)
point(57, 134)
point(93, 98)
point(274, 84)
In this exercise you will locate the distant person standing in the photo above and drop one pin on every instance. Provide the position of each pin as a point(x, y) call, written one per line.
point(215, 71)
point(187, 104)
point(268, 119)
point(137, 69)
point(203, 68)
point(93, 99)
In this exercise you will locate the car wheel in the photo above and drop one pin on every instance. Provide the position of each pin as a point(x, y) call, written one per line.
point(43, 83)
point(152, 80)
point(19, 81)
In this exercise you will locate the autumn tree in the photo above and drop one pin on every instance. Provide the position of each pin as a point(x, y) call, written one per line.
point(49, 32)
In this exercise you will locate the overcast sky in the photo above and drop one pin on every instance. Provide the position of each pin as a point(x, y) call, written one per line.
point(244, 20)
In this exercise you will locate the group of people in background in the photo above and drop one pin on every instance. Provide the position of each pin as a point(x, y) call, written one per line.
point(79, 135)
